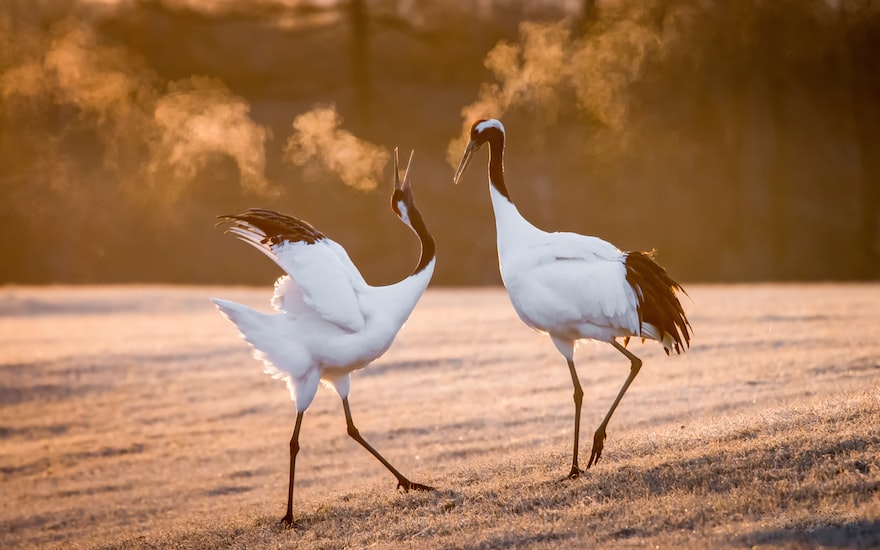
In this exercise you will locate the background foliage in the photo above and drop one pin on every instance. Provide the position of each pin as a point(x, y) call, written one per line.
point(739, 139)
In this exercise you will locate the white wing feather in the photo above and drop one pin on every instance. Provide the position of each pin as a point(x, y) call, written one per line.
point(357, 280)
point(569, 279)
point(325, 280)
point(328, 283)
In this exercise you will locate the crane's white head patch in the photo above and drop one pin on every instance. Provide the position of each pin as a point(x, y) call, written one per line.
point(403, 213)
point(486, 124)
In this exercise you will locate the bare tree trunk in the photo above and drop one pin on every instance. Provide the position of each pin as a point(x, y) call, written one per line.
point(863, 41)
point(588, 17)
point(360, 61)
point(778, 178)
point(734, 82)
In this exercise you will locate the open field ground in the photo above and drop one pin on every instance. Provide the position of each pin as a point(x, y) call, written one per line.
point(134, 416)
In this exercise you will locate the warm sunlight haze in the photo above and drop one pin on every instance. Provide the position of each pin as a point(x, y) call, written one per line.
point(527, 274)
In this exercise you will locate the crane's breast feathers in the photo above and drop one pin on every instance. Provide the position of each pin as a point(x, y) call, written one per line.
point(325, 278)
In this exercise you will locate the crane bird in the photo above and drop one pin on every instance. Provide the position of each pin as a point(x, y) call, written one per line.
point(575, 287)
point(328, 321)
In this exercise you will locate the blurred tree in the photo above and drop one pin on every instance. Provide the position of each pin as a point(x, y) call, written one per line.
point(861, 22)
point(360, 62)
point(739, 138)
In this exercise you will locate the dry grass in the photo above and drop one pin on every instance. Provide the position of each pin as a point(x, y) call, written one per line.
point(132, 417)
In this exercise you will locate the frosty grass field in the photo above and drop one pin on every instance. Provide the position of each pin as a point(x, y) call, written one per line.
point(133, 416)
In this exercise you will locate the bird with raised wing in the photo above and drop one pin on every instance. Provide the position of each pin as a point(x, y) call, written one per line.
point(328, 321)
point(574, 287)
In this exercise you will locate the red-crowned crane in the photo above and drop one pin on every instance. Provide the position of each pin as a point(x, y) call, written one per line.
point(575, 287)
point(328, 320)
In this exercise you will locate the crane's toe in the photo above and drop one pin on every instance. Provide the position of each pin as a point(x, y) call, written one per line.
point(574, 473)
point(408, 485)
point(287, 519)
point(598, 443)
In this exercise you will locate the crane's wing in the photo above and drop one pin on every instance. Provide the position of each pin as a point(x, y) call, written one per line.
point(567, 279)
point(325, 278)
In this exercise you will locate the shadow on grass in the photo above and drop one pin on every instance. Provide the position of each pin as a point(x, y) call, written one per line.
point(855, 534)
point(672, 494)
point(508, 540)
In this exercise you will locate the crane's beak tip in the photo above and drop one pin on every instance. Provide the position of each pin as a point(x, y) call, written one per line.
point(395, 168)
point(406, 183)
point(465, 160)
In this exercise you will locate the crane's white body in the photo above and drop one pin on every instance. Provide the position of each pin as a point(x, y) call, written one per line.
point(328, 320)
point(568, 285)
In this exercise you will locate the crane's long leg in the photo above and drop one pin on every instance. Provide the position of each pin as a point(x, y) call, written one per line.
point(578, 400)
point(294, 449)
point(355, 434)
point(599, 436)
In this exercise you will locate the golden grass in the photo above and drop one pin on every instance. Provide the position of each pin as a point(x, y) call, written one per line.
point(799, 476)
point(132, 417)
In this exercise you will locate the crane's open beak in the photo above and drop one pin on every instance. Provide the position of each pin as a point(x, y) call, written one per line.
point(469, 151)
point(405, 185)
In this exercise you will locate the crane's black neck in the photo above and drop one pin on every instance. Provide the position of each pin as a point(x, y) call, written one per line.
point(496, 161)
point(427, 241)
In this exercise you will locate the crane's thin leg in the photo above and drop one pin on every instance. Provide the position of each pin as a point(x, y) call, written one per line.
point(578, 400)
point(599, 436)
point(294, 449)
point(402, 482)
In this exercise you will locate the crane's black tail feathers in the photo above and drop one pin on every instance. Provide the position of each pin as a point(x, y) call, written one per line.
point(658, 304)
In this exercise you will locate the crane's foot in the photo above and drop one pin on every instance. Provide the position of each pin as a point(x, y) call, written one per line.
point(598, 443)
point(574, 473)
point(287, 519)
point(408, 486)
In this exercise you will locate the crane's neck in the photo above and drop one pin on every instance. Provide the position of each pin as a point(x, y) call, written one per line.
point(511, 227)
point(429, 251)
point(496, 165)
point(401, 297)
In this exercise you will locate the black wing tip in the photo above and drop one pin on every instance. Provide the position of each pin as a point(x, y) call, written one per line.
point(275, 226)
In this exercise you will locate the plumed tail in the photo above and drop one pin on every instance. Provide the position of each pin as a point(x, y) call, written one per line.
point(253, 326)
point(281, 358)
point(247, 320)
point(659, 306)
